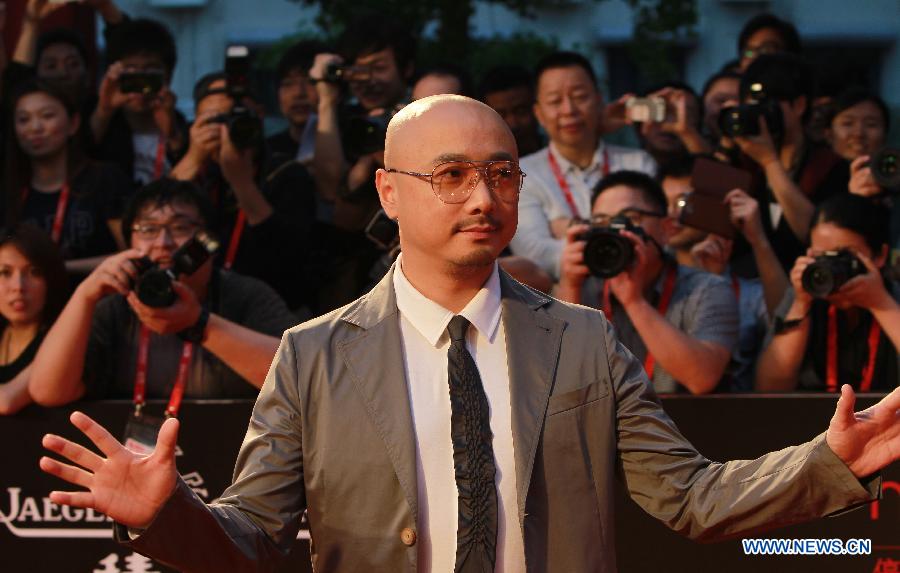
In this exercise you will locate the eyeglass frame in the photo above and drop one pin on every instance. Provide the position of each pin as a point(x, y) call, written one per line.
point(135, 228)
point(622, 213)
point(482, 173)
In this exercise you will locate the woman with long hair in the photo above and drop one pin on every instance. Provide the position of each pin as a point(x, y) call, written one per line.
point(33, 290)
point(50, 182)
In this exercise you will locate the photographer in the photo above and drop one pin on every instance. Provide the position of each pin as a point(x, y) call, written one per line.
point(757, 297)
point(560, 177)
point(849, 333)
point(769, 130)
point(264, 223)
point(135, 124)
point(682, 322)
point(222, 325)
point(766, 34)
point(720, 89)
point(678, 134)
point(297, 100)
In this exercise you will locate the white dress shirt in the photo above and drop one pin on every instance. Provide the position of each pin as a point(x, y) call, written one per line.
point(542, 200)
point(423, 327)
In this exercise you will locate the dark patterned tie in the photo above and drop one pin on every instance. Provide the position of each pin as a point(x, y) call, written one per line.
point(473, 457)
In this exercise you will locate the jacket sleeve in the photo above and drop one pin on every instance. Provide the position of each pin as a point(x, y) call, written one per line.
point(255, 522)
point(710, 501)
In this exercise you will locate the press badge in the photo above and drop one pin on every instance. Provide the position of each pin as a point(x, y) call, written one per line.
point(141, 432)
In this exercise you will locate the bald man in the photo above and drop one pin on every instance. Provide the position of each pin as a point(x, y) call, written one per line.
point(360, 418)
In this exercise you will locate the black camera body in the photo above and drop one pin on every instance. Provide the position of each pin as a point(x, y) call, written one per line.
point(338, 73)
point(608, 252)
point(363, 134)
point(153, 284)
point(885, 166)
point(145, 83)
point(245, 128)
point(830, 271)
point(743, 120)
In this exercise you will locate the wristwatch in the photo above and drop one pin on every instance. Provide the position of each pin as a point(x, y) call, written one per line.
point(781, 325)
point(196, 333)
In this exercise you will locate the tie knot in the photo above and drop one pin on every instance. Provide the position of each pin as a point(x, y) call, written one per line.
point(457, 328)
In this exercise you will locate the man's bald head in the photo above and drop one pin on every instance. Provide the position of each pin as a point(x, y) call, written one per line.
point(430, 116)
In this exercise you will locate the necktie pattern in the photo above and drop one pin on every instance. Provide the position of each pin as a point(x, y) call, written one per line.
point(473, 457)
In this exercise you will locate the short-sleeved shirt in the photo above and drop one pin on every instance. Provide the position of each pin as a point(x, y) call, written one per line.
point(98, 193)
point(754, 320)
point(702, 306)
point(111, 358)
point(853, 348)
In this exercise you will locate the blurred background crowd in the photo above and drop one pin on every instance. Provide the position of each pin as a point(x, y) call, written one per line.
point(172, 201)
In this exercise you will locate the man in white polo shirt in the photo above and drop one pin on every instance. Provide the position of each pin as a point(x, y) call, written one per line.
point(561, 176)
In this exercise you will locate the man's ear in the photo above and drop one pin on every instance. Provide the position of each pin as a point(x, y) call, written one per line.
point(387, 193)
point(538, 114)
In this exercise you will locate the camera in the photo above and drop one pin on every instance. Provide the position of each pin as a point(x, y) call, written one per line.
point(608, 252)
point(337, 73)
point(153, 284)
point(885, 166)
point(245, 128)
point(743, 120)
point(830, 271)
point(146, 83)
point(646, 109)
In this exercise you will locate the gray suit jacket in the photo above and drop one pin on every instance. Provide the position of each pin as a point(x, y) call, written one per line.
point(332, 433)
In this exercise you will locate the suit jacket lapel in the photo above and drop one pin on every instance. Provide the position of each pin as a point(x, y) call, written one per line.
point(375, 360)
point(533, 341)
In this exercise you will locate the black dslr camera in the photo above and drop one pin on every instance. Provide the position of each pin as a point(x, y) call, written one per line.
point(245, 128)
point(153, 284)
point(339, 73)
point(607, 252)
point(743, 120)
point(363, 134)
point(144, 83)
point(885, 166)
point(830, 271)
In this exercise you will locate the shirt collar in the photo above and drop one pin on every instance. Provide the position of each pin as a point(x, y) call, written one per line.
point(567, 166)
point(431, 319)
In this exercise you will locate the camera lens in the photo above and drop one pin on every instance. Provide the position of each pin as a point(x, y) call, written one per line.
point(818, 280)
point(607, 254)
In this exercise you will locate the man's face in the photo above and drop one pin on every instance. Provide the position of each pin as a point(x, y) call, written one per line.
point(516, 107)
point(63, 64)
point(764, 41)
point(628, 201)
point(159, 230)
point(458, 235)
point(569, 106)
point(720, 92)
point(386, 86)
point(682, 237)
point(297, 97)
point(143, 62)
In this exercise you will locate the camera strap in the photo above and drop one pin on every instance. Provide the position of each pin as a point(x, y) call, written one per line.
point(564, 185)
point(160, 163)
point(59, 218)
point(662, 307)
point(831, 374)
point(140, 377)
point(235, 241)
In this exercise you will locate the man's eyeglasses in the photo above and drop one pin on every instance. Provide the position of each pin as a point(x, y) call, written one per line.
point(635, 215)
point(181, 229)
point(454, 181)
point(751, 52)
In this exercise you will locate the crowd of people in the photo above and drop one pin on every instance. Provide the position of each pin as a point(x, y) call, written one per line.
point(772, 275)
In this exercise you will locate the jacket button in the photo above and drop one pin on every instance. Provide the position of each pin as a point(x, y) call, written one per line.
point(408, 536)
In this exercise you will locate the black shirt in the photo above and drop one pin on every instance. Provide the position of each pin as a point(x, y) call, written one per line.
point(11, 370)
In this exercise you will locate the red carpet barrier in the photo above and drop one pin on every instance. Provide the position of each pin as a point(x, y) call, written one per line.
point(37, 536)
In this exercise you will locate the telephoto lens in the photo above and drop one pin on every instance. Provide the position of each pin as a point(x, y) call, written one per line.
point(885, 166)
point(830, 271)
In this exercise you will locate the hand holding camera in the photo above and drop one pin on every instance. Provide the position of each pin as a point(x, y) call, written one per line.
point(845, 277)
point(712, 254)
point(572, 270)
point(744, 215)
point(758, 144)
point(111, 95)
point(629, 284)
point(329, 91)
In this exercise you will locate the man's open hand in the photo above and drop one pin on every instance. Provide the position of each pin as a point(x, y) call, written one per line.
point(866, 441)
point(126, 486)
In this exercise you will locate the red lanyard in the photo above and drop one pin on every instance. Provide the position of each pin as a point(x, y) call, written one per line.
point(60, 217)
point(736, 286)
point(236, 233)
point(662, 307)
point(160, 162)
point(564, 185)
point(831, 376)
point(140, 377)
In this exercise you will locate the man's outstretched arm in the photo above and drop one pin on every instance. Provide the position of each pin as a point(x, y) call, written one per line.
point(239, 532)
